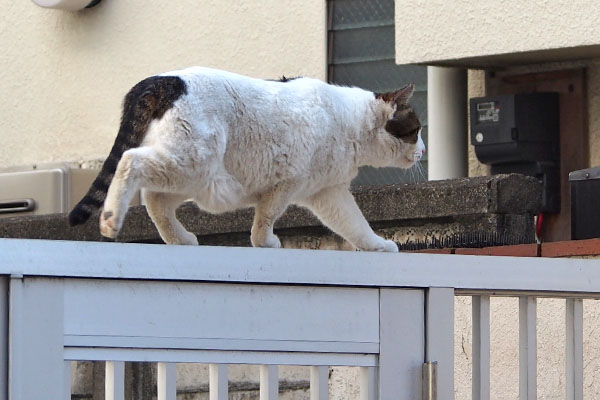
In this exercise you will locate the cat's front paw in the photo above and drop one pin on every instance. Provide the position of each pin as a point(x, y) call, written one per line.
point(109, 226)
point(390, 246)
point(270, 241)
point(189, 239)
point(380, 244)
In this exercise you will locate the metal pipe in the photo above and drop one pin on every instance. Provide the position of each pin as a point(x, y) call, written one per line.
point(447, 122)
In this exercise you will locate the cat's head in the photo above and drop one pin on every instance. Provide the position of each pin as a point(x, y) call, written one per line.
point(402, 123)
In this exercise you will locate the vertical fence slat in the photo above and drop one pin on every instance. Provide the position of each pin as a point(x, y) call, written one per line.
point(368, 383)
point(269, 382)
point(481, 347)
point(527, 348)
point(402, 343)
point(114, 381)
point(67, 380)
point(574, 349)
point(440, 338)
point(218, 382)
point(15, 338)
point(166, 381)
point(319, 383)
point(4, 341)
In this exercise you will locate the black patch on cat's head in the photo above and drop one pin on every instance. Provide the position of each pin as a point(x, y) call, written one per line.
point(405, 124)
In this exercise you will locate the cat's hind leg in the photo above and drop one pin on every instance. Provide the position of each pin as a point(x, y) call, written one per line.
point(139, 167)
point(161, 208)
point(336, 208)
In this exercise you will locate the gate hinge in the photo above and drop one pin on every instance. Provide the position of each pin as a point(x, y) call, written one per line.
point(430, 380)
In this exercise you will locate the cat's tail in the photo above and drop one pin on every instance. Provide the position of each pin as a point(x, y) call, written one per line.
point(146, 101)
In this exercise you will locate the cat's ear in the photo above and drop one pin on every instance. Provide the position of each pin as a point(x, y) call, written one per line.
point(400, 96)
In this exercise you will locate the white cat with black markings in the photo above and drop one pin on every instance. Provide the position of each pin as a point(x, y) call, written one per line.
point(229, 141)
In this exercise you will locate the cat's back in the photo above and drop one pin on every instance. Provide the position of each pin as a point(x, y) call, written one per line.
point(200, 80)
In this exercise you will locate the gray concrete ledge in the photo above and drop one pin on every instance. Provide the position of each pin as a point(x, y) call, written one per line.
point(502, 202)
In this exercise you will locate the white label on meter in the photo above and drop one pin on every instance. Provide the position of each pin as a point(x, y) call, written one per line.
point(488, 112)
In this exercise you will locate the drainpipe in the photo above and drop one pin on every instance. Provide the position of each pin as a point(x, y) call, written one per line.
point(447, 123)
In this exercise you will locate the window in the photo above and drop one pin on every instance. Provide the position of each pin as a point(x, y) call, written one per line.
point(361, 53)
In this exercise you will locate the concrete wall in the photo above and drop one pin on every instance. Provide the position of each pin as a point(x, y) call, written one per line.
point(510, 31)
point(64, 74)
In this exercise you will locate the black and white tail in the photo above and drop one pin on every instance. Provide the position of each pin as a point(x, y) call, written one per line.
point(146, 101)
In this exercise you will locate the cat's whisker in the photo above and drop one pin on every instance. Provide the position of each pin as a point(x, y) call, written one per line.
point(422, 172)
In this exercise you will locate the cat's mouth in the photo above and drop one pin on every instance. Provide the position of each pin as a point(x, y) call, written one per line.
point(416, 157)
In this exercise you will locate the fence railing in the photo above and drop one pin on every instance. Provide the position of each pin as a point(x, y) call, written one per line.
point(389, 314)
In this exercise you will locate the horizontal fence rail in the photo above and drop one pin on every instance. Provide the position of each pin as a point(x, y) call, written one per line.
point(387, 314)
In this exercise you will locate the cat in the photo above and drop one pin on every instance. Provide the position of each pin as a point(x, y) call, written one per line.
point(228, 141)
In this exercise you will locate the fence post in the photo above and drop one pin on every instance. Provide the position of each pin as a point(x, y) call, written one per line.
point(36, 339)
point(269, 382)
point(218, 382)
point(574, 349)
point(114, 381)
point(527, 348)
point(368, 383)
point(402, 344)
point(319, 383)
point(166, 381)
point(481, 347)
point(440, 338)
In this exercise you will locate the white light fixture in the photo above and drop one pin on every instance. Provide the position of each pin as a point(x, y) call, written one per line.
point(70, 5)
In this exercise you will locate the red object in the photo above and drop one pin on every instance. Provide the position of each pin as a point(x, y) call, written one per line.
point(539, 225)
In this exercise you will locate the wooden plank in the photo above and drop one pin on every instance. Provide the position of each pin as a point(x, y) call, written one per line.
point(368, 383)
point(402, 344)
point(319, 382)
point(166, 381)
point(574, 349)
point(269, 382)
point(440, 338)
point(481, 348)
point(114, 381)
point(218, 382)
point(527, 348)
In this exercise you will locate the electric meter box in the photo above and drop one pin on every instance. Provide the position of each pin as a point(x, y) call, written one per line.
point(515, 128)
point(585, 190)
point(519, 133)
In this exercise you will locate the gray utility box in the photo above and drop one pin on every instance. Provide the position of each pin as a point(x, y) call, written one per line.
point(46, 189)
point(519, 133)
point(585, 192)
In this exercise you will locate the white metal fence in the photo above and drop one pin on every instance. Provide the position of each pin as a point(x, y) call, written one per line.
point(389, 314)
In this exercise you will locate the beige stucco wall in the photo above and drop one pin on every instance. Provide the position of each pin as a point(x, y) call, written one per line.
point(437, 31)
point(63, 75)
